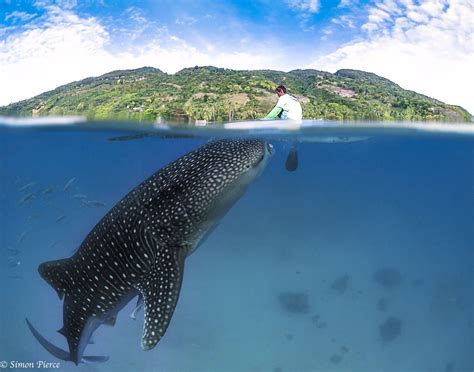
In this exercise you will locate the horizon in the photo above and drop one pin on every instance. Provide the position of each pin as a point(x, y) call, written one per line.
point(421, 46)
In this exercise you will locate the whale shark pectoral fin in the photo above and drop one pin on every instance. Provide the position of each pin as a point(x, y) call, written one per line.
point(60, 353)
point(160, 290)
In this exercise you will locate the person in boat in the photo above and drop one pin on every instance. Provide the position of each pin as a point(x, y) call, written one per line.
point(287, 106)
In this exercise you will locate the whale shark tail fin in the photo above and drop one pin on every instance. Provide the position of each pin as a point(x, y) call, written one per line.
point(56, 274)
point(60, 353)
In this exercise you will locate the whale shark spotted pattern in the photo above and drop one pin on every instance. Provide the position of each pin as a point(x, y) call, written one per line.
point(139, 246)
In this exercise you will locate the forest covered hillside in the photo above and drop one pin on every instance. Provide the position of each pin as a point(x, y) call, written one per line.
point(216, 94)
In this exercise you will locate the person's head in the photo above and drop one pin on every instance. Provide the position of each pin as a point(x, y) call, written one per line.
point(280, 90)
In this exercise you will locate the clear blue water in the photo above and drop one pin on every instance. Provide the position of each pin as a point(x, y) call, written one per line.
point(401, 199)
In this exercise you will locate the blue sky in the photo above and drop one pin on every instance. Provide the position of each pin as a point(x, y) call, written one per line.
point(423, 45)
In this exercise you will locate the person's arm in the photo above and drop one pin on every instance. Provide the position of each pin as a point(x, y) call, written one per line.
point(274, 113)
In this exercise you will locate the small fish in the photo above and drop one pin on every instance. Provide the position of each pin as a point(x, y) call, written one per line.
point(131, 137)
point(27, 186)
point(91, 203)
point(28, 197)
point(17, 180)
point(13, 264)
point(14, 251)
point(79, 196)
point(69, 183)
point(54, 244)
point(21, 237)
point(32, 217)
point(138, 307)
point(96, 203)
point(48, 190)
point(60, 218)
point(84, 204)
point(14, 277)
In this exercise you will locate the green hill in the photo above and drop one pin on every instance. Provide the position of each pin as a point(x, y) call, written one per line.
point(212, 93)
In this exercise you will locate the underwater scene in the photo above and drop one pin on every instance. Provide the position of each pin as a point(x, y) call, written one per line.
point(330, 247)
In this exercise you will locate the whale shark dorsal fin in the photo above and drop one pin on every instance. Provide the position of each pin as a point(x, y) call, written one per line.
point(160, 290)
point(57, 275)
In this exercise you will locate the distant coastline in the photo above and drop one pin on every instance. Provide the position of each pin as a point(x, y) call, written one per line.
point(216, 94)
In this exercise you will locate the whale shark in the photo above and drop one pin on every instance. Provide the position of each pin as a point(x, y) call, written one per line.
point(139, 247)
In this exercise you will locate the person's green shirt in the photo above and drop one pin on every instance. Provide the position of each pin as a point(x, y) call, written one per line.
point(287, 107)
point(275, 113)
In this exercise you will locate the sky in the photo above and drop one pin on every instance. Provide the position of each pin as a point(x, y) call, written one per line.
point(423, 45)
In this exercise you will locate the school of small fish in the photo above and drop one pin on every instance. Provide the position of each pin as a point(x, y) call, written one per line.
point(34, 195)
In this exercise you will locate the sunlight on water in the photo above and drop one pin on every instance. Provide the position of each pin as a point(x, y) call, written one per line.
point(359, 260)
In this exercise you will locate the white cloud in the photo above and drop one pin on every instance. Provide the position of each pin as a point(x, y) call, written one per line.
point(63, 4)
point(344, 21)
point(186, 21)
point(19, 16)
point(432, 8)
point(390, 6)
point(66, 4)
point(418, 17)
point(136, 14)
point(62, 47)
point(347, 3)
point(378, 16)
point(432, 55)
point(306, 6)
